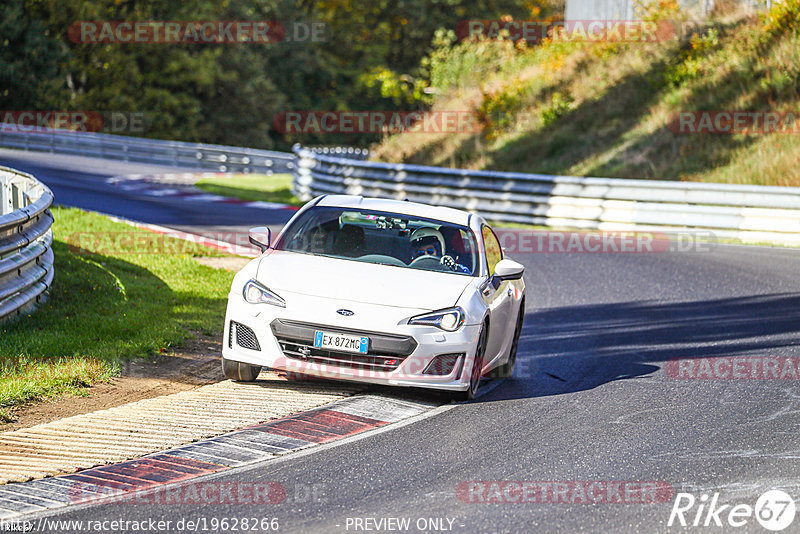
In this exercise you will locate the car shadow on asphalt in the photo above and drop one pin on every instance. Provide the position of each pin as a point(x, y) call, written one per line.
point(575, 348)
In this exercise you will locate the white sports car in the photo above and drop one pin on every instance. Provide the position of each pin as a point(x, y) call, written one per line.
point(379, 291)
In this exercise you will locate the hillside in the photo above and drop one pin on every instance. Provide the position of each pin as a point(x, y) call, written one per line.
point(609, 109)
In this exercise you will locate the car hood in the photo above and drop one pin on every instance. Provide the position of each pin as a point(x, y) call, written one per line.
point(354, 281)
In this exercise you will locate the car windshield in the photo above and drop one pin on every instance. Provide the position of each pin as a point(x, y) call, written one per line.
point(383, 238)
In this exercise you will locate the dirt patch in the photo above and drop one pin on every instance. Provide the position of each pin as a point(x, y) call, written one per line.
point(195, 363)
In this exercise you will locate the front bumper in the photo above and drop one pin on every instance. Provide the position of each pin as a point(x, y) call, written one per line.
point(398, 353)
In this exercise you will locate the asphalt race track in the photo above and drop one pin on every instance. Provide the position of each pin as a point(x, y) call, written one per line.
point(591, 399)
point(81, 182)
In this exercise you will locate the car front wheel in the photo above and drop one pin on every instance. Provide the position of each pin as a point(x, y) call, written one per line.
point(507, 369)
point(475, 373)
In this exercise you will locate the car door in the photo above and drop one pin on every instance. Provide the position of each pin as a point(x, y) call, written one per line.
point(498, 296)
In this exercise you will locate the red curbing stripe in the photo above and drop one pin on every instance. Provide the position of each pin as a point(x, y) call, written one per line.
point(319, 426)
point(126, 479)
point(175, 461)
point(290, 430)
point(144, 469)
point(353, 417)
point(334, 422)
point(324, 428)
point(170, 463)
point(137, 475)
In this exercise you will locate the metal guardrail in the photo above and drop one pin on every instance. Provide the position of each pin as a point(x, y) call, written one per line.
point(26, 257)
point(218, 158)
point(748, 213)
point(341, 151)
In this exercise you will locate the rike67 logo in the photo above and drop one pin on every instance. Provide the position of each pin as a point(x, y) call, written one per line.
point(774, 510)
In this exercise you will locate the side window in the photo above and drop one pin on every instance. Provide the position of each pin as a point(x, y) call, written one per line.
point(493, 251)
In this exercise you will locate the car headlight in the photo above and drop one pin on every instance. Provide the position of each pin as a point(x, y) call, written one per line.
point(256, 293)
point(450, 319)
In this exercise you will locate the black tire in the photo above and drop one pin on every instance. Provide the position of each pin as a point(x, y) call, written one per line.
point(240, 372)
point(507, 369)
point(475, 371)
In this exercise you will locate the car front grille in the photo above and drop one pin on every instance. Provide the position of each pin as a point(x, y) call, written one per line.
point(312, 354)
point(386, 351)
point(245, 337)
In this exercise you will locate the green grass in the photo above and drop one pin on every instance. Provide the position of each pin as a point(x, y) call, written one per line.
point(604, 109)
point(253, 187)
point(119, 293)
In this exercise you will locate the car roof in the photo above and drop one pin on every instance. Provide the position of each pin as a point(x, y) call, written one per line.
point(439, 213)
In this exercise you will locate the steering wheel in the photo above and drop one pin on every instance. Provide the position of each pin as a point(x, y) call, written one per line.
point(433, 260)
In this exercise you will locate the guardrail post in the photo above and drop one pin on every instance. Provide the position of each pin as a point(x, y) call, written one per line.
point(17, 198)
point(5, 196)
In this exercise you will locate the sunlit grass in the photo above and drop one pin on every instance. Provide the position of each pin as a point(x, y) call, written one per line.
point(253, 187)
point(606, 109)
point(119, 293)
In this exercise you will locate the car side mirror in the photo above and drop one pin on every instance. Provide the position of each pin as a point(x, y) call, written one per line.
point(508, 270)
point(261, 236)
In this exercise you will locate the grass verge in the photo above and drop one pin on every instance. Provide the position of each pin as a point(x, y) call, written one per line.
point(119, 293)
point(253, 187)
point(610, 108)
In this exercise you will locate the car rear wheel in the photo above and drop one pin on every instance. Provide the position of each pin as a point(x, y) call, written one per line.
point(507, 369)
point(240, 372)
point(475, 372)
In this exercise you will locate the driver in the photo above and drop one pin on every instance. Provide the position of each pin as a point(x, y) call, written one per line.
point(426, 241)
